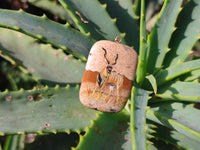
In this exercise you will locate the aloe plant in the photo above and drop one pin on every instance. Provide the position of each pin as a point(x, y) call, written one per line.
point(50, 57)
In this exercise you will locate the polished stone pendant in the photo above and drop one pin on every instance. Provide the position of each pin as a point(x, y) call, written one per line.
point(108, 76)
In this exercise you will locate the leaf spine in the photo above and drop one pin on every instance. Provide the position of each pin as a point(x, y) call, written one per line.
point(67, 24)
point(104, 5)
point(44, 16)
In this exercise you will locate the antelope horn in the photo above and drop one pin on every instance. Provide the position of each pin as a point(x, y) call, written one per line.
point(105, 55)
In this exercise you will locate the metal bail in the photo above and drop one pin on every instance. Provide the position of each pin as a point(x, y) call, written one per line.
point(118, 39)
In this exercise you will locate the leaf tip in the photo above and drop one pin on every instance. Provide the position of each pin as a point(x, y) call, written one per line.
point(63, 47)
point(2, 134)
point(21, 89)
point(73, 148)
point(168, 49)
point(66, 131)
point(6, 91)
point(67, 86)
point(54, 131)
point(40, 37)
point(17, 28)
point(21, 10)
point(123, 35)
point(46, 87)
point(39, 132)
point(104, 6)
point(77, 86)
point(57, 86)
point(196, 81)
point(149, 142)
point(174, 28)
point(67, 24)
point(88, 34)
point(179, 61)
point(114, 20)
point(180, 9)
point(44, 16)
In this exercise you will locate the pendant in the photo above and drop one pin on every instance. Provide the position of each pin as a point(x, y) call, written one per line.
point(108, 76)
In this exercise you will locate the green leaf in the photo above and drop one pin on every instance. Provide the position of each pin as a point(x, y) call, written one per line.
point(138, 118)
point(191, 76)
point(177, 116)
point(173, 137)
point(84, 13)
point(43, 110)
point(152, 80)
point(14, 142)
point(151, 6)
point(137, 6)
point(142, 61)
point(48, 31)
point(126, 21)
point(46, 63)
point(186, 34)
point(180, 91)
point(52, 7)
point(108, 132)
point(160, 36)
point(170, 73)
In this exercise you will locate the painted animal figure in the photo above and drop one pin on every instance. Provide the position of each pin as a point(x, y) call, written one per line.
point(109, 76)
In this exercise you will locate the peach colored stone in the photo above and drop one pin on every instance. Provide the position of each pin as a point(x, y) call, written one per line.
point(108, 76)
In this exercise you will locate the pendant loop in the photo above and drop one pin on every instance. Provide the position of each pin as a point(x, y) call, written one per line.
point(118, 39)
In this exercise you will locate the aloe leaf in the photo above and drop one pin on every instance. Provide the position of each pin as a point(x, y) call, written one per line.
point(138, 117)
point(84, 13)
point(126, 21)
point(177, 70)
point(153, 82)
point(54, 8)
point(41, 60)
point(151, 7)
point(44, 110)
point(151, 146)
point(108, 131)
point(186, 34)
point(137, 7)
point(162, 32)
point(14, 142)
point(48, 31)
point(175, 138)
point(177, 116)
point(180, 91)
point(142, 63)
point(191, 76)
point(11, 142)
